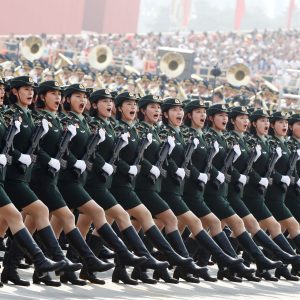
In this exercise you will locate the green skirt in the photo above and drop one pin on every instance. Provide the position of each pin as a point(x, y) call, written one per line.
point(126, 197)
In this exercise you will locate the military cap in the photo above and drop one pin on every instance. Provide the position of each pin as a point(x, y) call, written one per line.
point(48, 85)
point(77, 87)
point(238, 110)
point(119, 74)
point(294, 118)
point(279, 115)
point(114, 94)
point(195, 104)
point(203, 82)
point(146, 77)
point(106, 73)
point(101, 94)
point(169, 103)
point(216, 108)
point(22, 81)
point(259, 113)
point(38, 64)
point(80, 69)
point(27, 64)
point(144, 101)
point(125, 96)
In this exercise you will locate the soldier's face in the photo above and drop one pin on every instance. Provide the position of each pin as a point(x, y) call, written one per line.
point(280, 127)
point(198, 117)
point(52, 100)
point(296, 129)
point(175, 116)
point(24, 95)
point(128, 110)
point(78, 102)
point(219, 121)
point(262, 126)
point(152, 113)
point(241, 123)
point(104, 108)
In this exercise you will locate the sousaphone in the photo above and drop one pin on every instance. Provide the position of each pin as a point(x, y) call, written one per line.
point(32, 48)
point(238, 75)
point(100, 57)
point(172, 64)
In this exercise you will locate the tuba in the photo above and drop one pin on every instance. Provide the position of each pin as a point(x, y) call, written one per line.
point(32, 48)
point(62, 61)
point(100, 57)
point(238, 75)
point(172, 64)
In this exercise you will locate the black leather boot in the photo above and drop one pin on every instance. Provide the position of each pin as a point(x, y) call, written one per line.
point(105, 253)
point(47, 237)
point(90, 261)
point(47, 280)
point(125, 257)
point(262, 262)
point(132, 238)
point(139, 273)
point(273, 247)
point(71, 277)
point(222, 259)
point(162, 245)
point(165, 276)
point(120, 274)
point(180, 272)
point(266, 276)
point(90, 276)
point(284, 272)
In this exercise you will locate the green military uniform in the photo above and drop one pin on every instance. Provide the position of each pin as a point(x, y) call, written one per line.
point(171, 187)
point(253, 199)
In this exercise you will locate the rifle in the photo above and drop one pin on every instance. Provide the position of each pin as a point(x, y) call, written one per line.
point(210, 156)
point(144, 143)
point(62, 149)
point(115, 155)
point(9, 138)
point(292, 162)
point(162, 156)
point(271, 165)
point(239, 185)
point(227, 163)
point(35, 139)
point(90, 151)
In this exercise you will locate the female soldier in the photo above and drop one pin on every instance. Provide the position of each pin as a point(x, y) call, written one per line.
point(97, 186)
point(16, 182)
point(215, 194)
point(172, 185)
point(43, 183)
point(238, 124)
point(72, 180)
point(255, 200)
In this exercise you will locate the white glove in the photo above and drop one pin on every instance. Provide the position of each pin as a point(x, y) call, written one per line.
point(264, 182)
point(81, 165)
point(203, 177)
point(171, 142)
point(279, 152)
point(45, 125)
point(220, 177)
point(149, 138)
point(196, 142)
point(286, 180)
point(54, 163)
point(72, 130)
point(3, 160)
point(124, 137)
point(237, 151)
point(25, 159)
point(216, 146)
point(101, 133)
point(298, 182)
point(258, 152)
point(108, 168)
point(243, 179)
point(298, 153)
point(133, 170)
point(18, 126)
point(155, 171)
point(181, 173)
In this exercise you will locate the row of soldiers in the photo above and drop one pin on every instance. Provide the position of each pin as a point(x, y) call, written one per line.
point(169, 175)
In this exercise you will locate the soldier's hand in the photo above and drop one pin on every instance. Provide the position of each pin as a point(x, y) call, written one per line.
point(101, 133)
point(155, 171)
point(286, 180)
point(81, 165)
point(220, 177)
point(45, 125)
point(133, 170)
point(18, 126)
point(72, 130)
point(181, 173)
point(25, 159)
point(3, 160)
point(171, 142)
point(203, 177)
point(264, 182)
point(55, 164)
point(243, 179)
point(108, 169)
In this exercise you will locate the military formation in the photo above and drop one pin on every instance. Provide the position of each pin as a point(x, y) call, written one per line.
point(155, 189)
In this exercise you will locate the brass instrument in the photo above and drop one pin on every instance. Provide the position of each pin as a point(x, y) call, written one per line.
point(100, 57)
point(131, 70)
point(32, 48)
point(63, 61)
point(172, 64)
point(238, 75)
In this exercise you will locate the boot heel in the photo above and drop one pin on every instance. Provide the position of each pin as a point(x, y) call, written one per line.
point(164, 275)
point(47, 280)
point(91, 277)
point(120, 274)
point(285, 273)
point(181, 273)
point(139, 274)
point(72, 278)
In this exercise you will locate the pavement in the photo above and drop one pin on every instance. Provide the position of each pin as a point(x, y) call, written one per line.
point(223, 290)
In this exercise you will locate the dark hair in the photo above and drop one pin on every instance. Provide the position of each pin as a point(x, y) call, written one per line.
point(40, 103)
point(229, 125)
point(164, 119)
point(271, 130)
point(219, 94)
point(252, 128)
point(140, 115)
point(66, 104)
point(12, 99)
point(118, 114)
point(187, 121)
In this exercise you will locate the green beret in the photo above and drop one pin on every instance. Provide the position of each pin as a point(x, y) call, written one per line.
point(294, 118)
point(125, 96)
point(169, 103)
point(259, 113)
point(195, 104)
point(101, 94)
point(48, 86)
point(77, 87)
point(279, 115)
point(144, 101)
point(216, 108)
point(22, 81)
point(238, 110)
